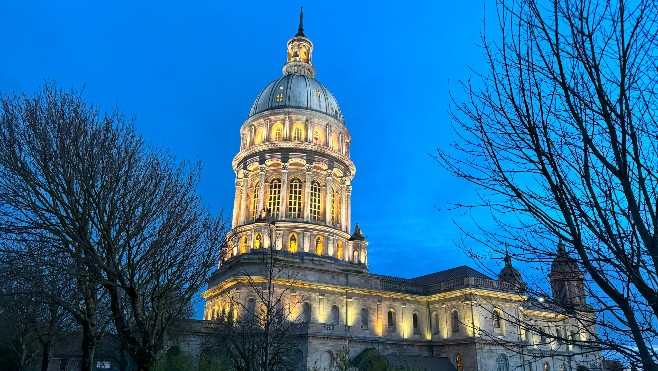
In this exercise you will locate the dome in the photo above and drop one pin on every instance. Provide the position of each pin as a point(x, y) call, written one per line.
point(510, 274)
point(297, 91)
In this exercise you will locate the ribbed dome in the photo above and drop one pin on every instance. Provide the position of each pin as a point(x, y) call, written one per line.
point(297, 91)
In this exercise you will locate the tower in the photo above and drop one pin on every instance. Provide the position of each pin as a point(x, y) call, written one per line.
point(567, 281)
point(293, 169)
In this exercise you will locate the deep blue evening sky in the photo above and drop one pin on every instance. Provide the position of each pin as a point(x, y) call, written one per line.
point(190, 70)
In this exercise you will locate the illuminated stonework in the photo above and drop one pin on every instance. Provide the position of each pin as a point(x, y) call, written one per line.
point(293, 198)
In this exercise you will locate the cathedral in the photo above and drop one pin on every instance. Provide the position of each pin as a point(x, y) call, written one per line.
point(292, 204)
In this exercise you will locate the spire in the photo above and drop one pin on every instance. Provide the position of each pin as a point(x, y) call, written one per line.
point(300, 49)
point(357, 235)
point(300, 30)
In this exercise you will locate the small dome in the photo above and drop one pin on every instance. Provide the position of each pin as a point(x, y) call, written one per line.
point(297, 91)
point(510, 274)
point(563, 262)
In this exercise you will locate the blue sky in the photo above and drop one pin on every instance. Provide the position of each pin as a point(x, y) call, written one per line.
point(189, 72)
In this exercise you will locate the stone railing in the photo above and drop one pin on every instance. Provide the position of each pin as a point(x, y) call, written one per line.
point(405, 286)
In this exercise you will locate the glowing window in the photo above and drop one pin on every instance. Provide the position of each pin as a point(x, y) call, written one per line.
point(298, 131)
point(391, 319)
point(315, 201)
point(292, 243)
point(334, 142)
point(277, 132)
point(502, 363)
point(414, 322)
point(275, 197)
point(258, 241)
point(258, 137)
point(340, 254)
point(459, 362)
point(243, 245)
point(454, 321)
point(279, 98)
point(295, 199)
point(319, 245)
point(254, 201)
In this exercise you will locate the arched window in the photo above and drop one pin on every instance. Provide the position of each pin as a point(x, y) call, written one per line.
point(243, 245)
point(275, 197)
point(318, 138)
point(277, 132)
point(459, 362)
point(335, 208)
point(254, 202)
point(435, 323)
point(355, 257)
point(391, 319)
point(497, 320)
point(258, 138)
point(340, 254)
point(315, 201)
point(502, 363)
point(415, 325)
point(298, 131)
point(295, 199)
point(364, 318)
point(258, 240)
point(334, 142)
point(335, 314)
point(292, 243)
point(319, 245)
point(454, 321)
point(306, 312)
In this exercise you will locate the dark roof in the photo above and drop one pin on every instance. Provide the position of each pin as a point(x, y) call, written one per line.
point(421, 363)
point(447, 275)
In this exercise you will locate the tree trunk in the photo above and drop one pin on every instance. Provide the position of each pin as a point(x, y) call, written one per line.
point(45, 356)
point(88, 347)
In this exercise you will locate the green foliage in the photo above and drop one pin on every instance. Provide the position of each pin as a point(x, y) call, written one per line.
point(173, 360)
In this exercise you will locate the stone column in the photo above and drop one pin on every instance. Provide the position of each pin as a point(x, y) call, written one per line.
point(261, 188)
point(243, 199)
point(266, 131)
point(343, 205)
point(286, 128)
point(283, 208)
point(348, 204)
point(236, 203)
point(307, 194)
point(308, 127)
point(329, 197)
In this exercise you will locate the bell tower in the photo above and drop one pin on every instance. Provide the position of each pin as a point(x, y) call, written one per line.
point(567, 280)
point(300, 50)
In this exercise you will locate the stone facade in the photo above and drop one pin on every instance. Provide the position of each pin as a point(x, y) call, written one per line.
point(292, 199)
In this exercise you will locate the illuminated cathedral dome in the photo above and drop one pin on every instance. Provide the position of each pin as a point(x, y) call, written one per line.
point(297, 91)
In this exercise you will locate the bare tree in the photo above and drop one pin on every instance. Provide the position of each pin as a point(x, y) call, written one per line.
point(124, 215)
point(262, 333)
point(560, 133)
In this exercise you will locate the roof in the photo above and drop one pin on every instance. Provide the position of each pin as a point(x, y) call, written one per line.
point(297, 91)
point(447, 275)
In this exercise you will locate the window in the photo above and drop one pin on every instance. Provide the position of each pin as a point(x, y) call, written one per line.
point(279, 98)
point(546, 367)
point(558, 336)
point(391, 319)
point(258, 138)
point(435, 323)
point(497, 320)
point(254, 202)
point(292, 243)
point(459, 362)
point(502, 363)
point(306, 312)
point(315, 201)
point(251, 308)
point(335, 208)
point(277, 132)
point(295, 199)
point(334, 314)
point(298, 131)
point(319, 245)
point(414, 322)
point(317, 136)
point(243, 245)
point(275, 197)
point(258, 240)
point(364, 318)
point(454, 321)
point(334, 142)
point(339, 250)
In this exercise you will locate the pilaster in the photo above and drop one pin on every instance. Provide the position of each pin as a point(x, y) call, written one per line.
point(307, 193)
point(243, 198)
point(283, 208)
